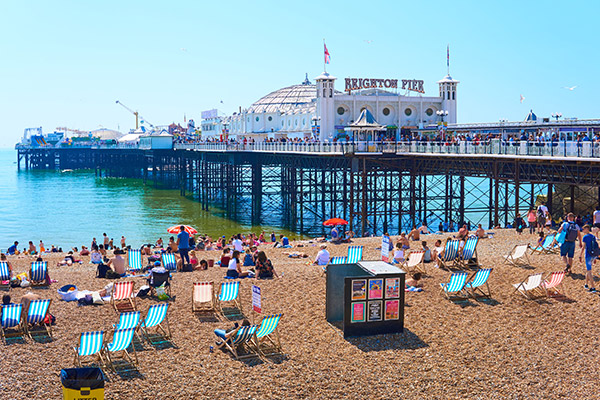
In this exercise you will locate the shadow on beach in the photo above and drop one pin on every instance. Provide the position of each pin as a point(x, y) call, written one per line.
point(398, 341)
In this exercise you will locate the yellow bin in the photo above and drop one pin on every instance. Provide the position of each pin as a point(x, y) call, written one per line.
point(82, 383)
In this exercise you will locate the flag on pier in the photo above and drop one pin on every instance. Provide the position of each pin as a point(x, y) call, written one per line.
point(327, 56)
point(448, 56)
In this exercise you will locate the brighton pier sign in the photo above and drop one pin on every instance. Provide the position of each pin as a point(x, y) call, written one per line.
point(414, 85)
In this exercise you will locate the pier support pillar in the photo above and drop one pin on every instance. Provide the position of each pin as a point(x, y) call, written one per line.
point(257, 192)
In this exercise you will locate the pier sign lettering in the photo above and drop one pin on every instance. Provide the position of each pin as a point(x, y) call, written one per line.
point(414, 85)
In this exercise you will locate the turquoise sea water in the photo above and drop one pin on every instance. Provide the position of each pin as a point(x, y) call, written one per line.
point(69, 208)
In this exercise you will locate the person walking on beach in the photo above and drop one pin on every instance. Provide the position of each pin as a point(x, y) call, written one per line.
point(531, 220)
point(542, 214)
point(590, 249)
point(122, 242)
point(567, 249)
point(519, 224)
point(596, 217)
point(106, 241)
point(183, 243)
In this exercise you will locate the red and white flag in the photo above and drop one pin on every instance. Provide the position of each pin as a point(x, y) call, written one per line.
point(327, 56)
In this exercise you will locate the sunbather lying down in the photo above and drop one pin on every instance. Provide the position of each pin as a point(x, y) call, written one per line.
point(296, 255)
point(320, 239)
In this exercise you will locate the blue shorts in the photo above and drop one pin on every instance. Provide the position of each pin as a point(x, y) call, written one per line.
point(588, 262)
point(232, 273)
point(567, 249)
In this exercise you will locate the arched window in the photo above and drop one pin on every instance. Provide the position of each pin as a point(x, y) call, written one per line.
point(453, 95)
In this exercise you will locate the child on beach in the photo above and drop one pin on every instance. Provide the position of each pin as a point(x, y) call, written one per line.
point(519, 224)
point(225, 258)
point(427, 255)
point(399, 254)
point(414, 281)
point(193, 259)
point(248, 258)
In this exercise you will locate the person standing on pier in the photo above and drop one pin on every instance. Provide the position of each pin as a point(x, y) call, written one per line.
point(183, 243)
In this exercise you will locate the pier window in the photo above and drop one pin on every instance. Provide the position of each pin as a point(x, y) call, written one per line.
point(270, 118)
point(257, 119)
point(453, 95)
point(429, 112)
point(408, 112)
point(341, 111)
point(386, 111)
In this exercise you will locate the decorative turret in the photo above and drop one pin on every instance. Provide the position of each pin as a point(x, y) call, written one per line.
point(448, 95)
point(325, 105)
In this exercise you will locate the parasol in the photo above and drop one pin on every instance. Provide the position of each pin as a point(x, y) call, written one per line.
point(335, 221)
point(175, 229)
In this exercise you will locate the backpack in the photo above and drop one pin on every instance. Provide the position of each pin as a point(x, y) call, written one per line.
point(101, 271)
point(594, 249)
point(572, 232)
point(540, 212)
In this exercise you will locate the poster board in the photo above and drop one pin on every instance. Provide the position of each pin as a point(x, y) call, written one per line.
point(385, 248)
point(256, 299)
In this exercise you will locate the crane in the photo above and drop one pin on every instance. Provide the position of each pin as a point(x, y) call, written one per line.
point(137, 115)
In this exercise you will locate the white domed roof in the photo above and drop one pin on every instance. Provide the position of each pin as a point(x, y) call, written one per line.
point(287, 99)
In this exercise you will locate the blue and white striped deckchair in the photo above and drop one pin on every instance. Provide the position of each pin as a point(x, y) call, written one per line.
point(238, 339)
point(478, 281)
point(128, 320)
point(338, 260)
point(450, 253)
point(38, 272)
point(230, 293)
point(122, 339)
point(36, 316)
point(547, 246)
point(4, 275)
point(135, 260)
point(90, 344)
point(456, 286)
point(156, 317)
point(268, 326)
point(468, 252)
point(169, 261)
point(355, 254)
point(11, 318)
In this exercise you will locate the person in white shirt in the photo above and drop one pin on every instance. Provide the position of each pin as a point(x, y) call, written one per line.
point(237, 244)
point(322, 256)
point(542, 212)
point(597, 217)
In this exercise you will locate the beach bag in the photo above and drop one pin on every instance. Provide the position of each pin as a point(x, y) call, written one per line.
point(110, 274)
point(161, 293)
point(102, 270)
point(594, 248)
point(572, 232)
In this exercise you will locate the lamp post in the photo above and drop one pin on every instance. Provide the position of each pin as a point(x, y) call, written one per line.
point(557, 116)
point(442, 114)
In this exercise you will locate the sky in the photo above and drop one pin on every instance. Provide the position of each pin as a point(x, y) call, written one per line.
point(65, 63)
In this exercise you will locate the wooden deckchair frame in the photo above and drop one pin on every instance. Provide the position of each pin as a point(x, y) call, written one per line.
point(519, 261)
point(207, 306)
point(47, 328)
point(553, 291)
point(534, 293)
point(165, 332)
point(233, 348)
point(460, 262)
point(473, 291)
point(97, 356)
point(275, 344)
point(131, 299)
point(15, 331)
point(448, 263)
point(124, 355)
point(420, 266)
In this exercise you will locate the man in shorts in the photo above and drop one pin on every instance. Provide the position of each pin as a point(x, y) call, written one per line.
point(542, 212)
point(567, 249)
point(587, 240)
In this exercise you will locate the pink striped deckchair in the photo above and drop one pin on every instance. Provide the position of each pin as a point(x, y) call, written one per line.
point(122, 297)
point(555, 286)
point(203, 297)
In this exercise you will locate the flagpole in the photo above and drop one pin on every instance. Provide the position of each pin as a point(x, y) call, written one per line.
point(324, 62)
point(448, 58)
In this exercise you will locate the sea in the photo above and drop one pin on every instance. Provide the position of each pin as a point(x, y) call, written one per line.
point(69, 208)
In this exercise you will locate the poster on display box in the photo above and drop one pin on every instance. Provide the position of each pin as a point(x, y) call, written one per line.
point(359, 289)
point(375, 311)
point(358, 312)
point(391, 309)
point(392, 288)
point(375, 289)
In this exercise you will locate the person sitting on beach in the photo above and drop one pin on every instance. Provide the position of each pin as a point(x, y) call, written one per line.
point(414, 234)
point(348, 237)
point(95, 256)
point(225, 334)
point(414, 281)
point(101, 249)
point(237, 243)
point(264, 267)
point(424, 230)
point(225, 257)
point(53, 249)
point(261, 237)
point(208, 245)
point(322, 256)
point(334, 235)
point(403, 240)
point(234, 270)
point(25, 300)
point(159, 243)
point(202, 266)
point(399, 254)
point(427, 255)
point(12, 250)
point(173, 245)
point(273, 237)
point(3, 258)
point(438, 250)
point(32, 250)
point(296, 254)
point(68, 260)
point(248, 258)
point(193, 259)
point(117, 263)
point(84, 251)
point(146, 250)
point(480, 232)
point(463, 232)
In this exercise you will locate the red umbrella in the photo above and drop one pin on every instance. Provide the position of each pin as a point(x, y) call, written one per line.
point(176, 229)
point(335, 221)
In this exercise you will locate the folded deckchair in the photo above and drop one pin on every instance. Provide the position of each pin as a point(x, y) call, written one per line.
point(555, 286)
point(456, 286)
point(266, 339)
point(156, 317)
point(532, 287)
point(203, 297)
point(11, 319)
point(4, 276)
point(355, 254)
point(518, 256)
point(450, 253)
point(38, 272)
point(36, 316)
point(230, 293)
point(135, 260)
point(122, 339)
point(477, 282)
point(238, 339)
point(90, 344)
point(338, 260)
point(169, 261)
point(468, 254)
point(122, 297)
point(547, 247)
point(415, 263)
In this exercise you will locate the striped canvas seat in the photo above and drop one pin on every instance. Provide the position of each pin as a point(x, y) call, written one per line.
point(338, 260)
point(122, 339)
point(122, 296)
point(128, 320)
point(169, 261)
point(36, 315)
point(456, 285)
point(135, 260)
point(90, 344)
point(555, 284)
point(230, 293)
point(518, 256)
point(37, 275)
point(547, 246)
point(355, 254)
point(264, 341)
point(203, 297)
point(4, 275)
point(11, 318)
point(415, 262)
point(532, 287)
point(479, 280)
point(156, 318)
point(450, 253)
point(468, 252)
point(243, 336)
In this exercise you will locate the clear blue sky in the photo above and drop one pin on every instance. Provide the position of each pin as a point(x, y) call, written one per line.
point(64, 63)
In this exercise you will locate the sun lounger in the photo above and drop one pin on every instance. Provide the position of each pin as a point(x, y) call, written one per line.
point(266, 339)
point(238, 339)
point(355, 254)
point(135, 260)
point(229, 293)
point(415, 262)
point(38, 272)
point(518, 256)
point(338, 260)
point(477, 283)
point(122, 339)
point(450, 253)
point(11, 319)
point(90, 344)
point(468, 254)
point(169, 261)
point(4, 276)
point(203, 297)
point(532, 287)
point(455, 288)
point(547, 247)
point(122, 298)
point(554, 285)
point(36, 317)
point(156, 318)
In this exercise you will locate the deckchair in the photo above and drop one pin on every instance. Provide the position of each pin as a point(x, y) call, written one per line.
point(37, 273)
point(338, 260)
point(555, 286)
point(4, 276)
point(122, 339)
point(450, 253)
point(239, 338)
point(90, 344)
point(456, 286)
point(11, 319)
point(263, 340)
point(518, 256)
point(169, 261)
point(203, 297)
point(468, 254)
point(159, 279)
point(128, 320)
point(415, 262)
point(156, 317)
point(547, 246)
point(135, 260)
point(532, 287)
point(355, 254)
point(122, 298)
point(230, 293)
point(477, 282)
point(36, 316)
